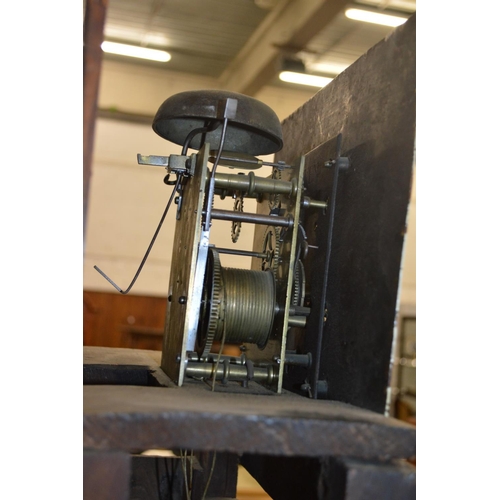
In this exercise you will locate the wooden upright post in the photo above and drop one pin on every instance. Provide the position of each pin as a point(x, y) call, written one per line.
point(93, 35)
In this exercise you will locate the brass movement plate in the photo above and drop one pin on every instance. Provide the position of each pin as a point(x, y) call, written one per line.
point(182, 303)
point(290, 205)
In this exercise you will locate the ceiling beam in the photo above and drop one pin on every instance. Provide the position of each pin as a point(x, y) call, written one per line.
point(287, 29)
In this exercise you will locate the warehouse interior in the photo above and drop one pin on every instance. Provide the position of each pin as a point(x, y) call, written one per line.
point(242, 46)
point(209, 51)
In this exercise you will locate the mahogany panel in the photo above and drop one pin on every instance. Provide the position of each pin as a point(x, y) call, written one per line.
point(114, 320)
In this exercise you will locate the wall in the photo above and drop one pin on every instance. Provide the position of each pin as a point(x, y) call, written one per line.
point(127, 200)
point(408, 283)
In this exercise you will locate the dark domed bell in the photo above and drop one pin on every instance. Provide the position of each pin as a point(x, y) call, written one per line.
point(254, 130)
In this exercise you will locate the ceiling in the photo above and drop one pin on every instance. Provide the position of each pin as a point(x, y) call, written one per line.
point(244, 43)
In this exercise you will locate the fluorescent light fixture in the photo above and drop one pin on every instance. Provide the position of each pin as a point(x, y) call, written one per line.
point(328, 68)
point(374, 17)
point(133, 51)
point(303, 79)
point(158, 453)
point(135, 37)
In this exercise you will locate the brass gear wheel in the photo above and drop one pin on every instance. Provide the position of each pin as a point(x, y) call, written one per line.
point(271, 245)
point(299, 285)
point(236, 226)
point(275, 199)
point(211, 311)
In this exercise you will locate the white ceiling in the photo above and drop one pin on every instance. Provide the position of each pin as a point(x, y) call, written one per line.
point(242, 42)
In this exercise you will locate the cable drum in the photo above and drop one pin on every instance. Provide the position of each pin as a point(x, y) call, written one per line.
point(249, 305)
point(239, 300)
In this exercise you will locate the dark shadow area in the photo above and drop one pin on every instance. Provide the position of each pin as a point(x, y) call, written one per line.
point(119, 375)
